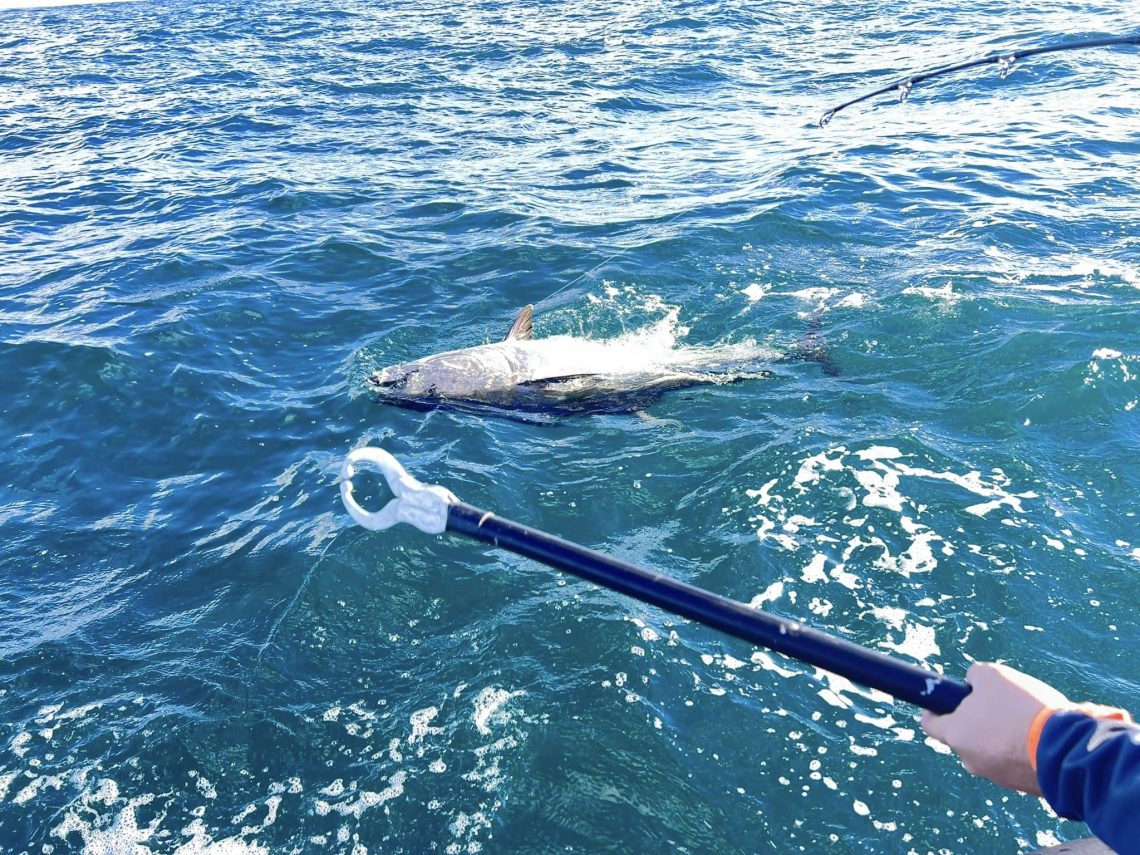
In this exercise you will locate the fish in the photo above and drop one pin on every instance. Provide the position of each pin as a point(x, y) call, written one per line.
point(567, 374)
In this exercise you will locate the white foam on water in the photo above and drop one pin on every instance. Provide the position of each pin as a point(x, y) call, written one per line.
point(487, 773)
point(421, 724)
point(795, 522)
point(272, 804)
point(204, 786)
point(918, 642)
point(34, 786)
point(885, 722)
point(945, 294)
point(844, 577)
point(854, 300)
point(121, 835)
point(833, 698)
point(488, 708)
point(1106, 353)
point(820, 607)
point(649, 634)
point(756, 291)
point(892, 617)
point(201, 843)
point(812, 468)
point(336, 788)
point(819, 295)
point(107, 824)
point(47, 714)
point(841, 685)
point(368, 799)
point(983, 508)
point(19, 744)
point(813, 572)
point(937, 746)
point(882, 490)
point(767, 531)
point(879, 452)
point(1047, 838)
point(919, 557)
point(765, 661)
point(1088, 267)
point(6, 780)
point(467, 827)
point(472, 807)
point(772, 593)
point(879, 472)
point(763, 495)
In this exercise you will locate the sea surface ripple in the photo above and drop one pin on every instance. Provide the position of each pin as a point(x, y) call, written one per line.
point(216, 219)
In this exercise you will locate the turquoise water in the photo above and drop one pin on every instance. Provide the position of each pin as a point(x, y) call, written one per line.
point(214, 222)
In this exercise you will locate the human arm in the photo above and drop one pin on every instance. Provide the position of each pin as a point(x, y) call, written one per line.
point(1088, 766)
point(1025, 735)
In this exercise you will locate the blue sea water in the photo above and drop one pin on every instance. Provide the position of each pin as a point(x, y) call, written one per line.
point(216, 219)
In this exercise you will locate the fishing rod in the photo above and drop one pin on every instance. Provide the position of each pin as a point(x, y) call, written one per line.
point(1004, 60)
point(434, 510)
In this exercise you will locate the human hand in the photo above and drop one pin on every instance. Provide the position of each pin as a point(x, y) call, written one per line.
point(990, 727)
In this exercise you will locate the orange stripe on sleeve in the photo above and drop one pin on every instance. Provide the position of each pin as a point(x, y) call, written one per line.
point(1034, 736)
point(1098, 711)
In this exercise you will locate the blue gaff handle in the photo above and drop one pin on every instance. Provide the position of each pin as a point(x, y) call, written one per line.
point(927, 689)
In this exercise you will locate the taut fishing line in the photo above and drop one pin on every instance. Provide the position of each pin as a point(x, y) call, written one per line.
point(599, 265)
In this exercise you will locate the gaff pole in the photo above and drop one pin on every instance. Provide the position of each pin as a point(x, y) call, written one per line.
point(434, 510)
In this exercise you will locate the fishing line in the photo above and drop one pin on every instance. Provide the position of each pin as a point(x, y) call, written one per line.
point(599, 265)
point(269, 639)
point(1004, 60)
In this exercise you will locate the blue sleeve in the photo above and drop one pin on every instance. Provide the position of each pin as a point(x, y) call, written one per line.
point(1089, 769)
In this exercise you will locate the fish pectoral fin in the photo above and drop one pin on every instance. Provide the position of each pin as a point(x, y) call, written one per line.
point(522, 329)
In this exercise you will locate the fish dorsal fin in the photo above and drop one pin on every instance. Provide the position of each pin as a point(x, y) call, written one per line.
point(521, 329)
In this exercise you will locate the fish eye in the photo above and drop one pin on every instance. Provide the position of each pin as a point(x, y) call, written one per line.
point(402, 381)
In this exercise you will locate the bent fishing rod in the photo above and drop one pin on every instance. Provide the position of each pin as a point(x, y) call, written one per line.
point(1004, 59)
point(434, 510)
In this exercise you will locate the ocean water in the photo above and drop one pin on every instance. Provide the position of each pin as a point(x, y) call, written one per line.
point(216, 219)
